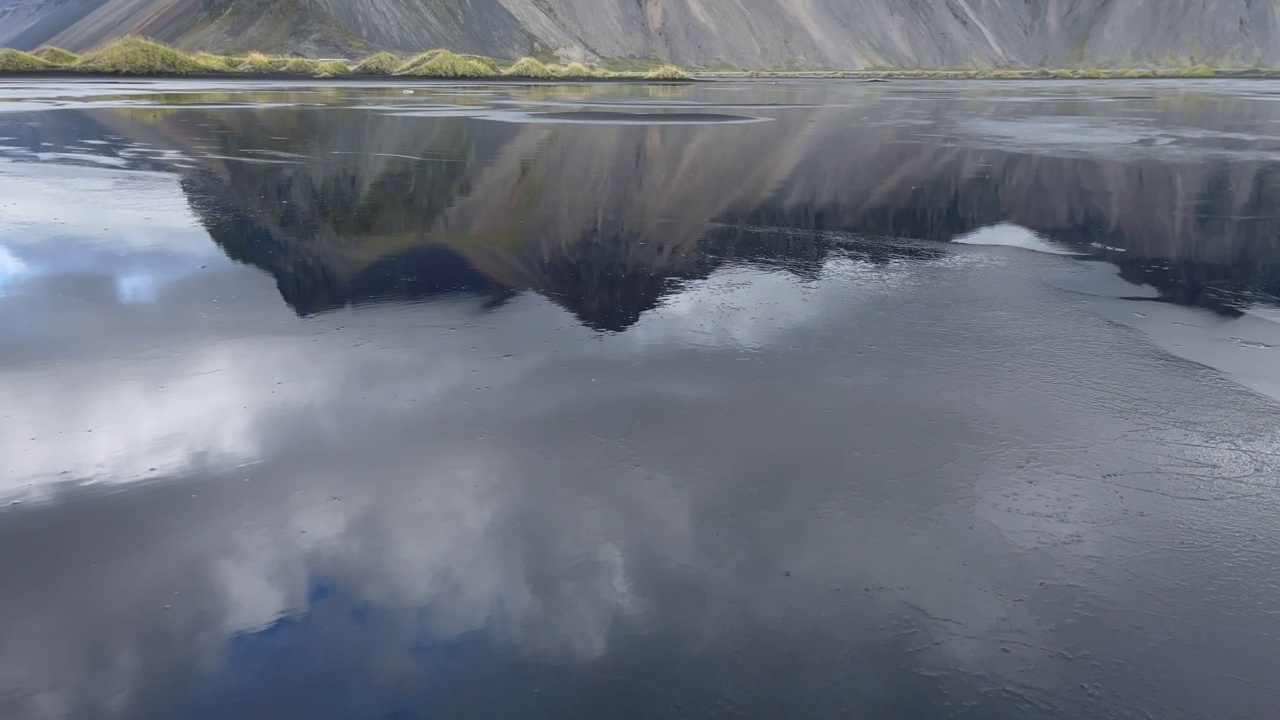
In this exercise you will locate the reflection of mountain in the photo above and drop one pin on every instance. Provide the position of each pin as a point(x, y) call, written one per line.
point(346, 214)
point(343, 206)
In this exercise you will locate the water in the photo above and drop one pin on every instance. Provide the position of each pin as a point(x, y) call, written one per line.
point(800, 399)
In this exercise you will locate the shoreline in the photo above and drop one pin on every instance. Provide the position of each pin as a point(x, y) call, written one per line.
point(1058, 74)
point(136, 57)
point(63, 73)
point(67, 73)
point(695, 77)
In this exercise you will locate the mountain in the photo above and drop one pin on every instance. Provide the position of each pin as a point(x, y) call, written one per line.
point(741, 33)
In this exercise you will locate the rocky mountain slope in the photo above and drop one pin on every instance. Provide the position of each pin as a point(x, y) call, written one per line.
point(741, 33)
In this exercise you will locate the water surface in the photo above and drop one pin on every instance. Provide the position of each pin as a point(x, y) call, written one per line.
point(800, 399)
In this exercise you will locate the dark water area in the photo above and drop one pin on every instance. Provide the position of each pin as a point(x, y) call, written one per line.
point(738, 399)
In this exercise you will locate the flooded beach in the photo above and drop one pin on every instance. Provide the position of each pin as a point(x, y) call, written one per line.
point(730, 399)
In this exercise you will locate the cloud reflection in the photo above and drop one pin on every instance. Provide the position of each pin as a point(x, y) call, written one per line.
point(855, 481)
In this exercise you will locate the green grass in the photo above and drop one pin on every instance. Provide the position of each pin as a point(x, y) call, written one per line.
point(1163, 70)
point(331, 69)
point(535, 69)
point(57, 56)
point(302, 66)
point(667, 72)
point(578, 70)
point(139, 56)
point(18, 61)
point(528, 67)
point(256, 62)
point(445, 64)
point(383, 63)
point(485, 61)
point(217, 63)
point(417, 61)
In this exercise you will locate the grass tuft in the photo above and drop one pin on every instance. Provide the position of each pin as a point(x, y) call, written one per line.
point(384, 63)
point(667, 72)
point(445, 64)
point(301, 66)
point(331, 69)
point(256, 62)
point(527, 67)
point(138, 56)
point(18, 61)
point(217, 63)
point(56, 56)
point(488, 62)
point(418, 61)
point(578, 70)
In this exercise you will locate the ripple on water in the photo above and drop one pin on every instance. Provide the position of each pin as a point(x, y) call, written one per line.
point(609, 117)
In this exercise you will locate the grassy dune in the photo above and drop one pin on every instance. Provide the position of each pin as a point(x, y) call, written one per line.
point(256, 62)
point(12, 61)
point(301, 66)
point(578, 70)
point(57, 56)
point(137, 56)
point(667, 72)
point(218, 63)
point(445, 64)
point(1088, 73)
point(528, 67)
point(332, 68)
point(142, 57)
point(383, 63)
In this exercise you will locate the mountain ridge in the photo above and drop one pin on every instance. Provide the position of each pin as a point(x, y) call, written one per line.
point(747, 34)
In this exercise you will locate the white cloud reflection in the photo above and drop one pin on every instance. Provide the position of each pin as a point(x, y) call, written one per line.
point(129, 209)
point(11, 268)
point(513, 464)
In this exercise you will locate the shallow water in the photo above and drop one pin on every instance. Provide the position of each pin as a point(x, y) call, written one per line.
point(800, 399)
